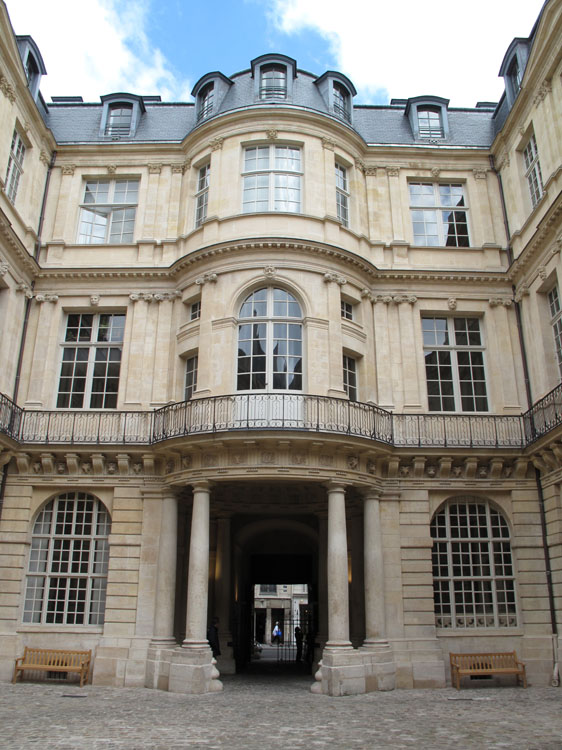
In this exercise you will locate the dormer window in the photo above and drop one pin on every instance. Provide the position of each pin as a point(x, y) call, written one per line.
point(515, 76)
point(273, 82)
point(513, 67)
point(429, 122)
point(119, 120)
point(205, 101)
point(121, 115)
point(341, 101)
point(32, 63)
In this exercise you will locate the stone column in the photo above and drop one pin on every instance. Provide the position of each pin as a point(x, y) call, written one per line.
point(375, 627)
point(198, 572)
point(166, 577)
point(338, 590)
point(223, 594)
point(322, 635)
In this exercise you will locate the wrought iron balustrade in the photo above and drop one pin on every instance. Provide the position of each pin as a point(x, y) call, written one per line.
point(280, 411)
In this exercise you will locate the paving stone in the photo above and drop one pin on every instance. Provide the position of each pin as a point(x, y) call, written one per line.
point(277, 711)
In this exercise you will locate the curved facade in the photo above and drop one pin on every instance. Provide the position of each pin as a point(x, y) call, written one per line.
point(276, 337)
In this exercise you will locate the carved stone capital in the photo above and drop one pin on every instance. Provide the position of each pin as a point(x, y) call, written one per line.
point(371, 171)
point(24, 289)
point(207, 278)
point(44, 157)
point(336, 278)
point(47, 298)
point(7, 89)
point(216, 143)
point(393, 171)
point(500, 301)
point(544, 89)
point(479, 174)
point(3, 268)
point(367, 294)
point(521, 291)
point(360, 165)
point(180, 167)
point(154, 296)
point(329, 144)
point(68, 169)
point(155, 168)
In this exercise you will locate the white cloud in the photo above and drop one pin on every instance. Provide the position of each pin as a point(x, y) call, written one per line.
point(408, 48)
point(96, 47)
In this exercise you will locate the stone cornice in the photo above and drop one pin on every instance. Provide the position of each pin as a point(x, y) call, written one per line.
point(540, 239)
point(7, 233)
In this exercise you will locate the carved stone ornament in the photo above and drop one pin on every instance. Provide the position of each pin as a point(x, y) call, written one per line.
point(180, 167)
point(272, 134)
point(155, 168)
point(326, 460)
point(371, 467)
point(298, 459)
point(86, 467)
point(543, 273)
point(544, 89)
point(479, 174)
point(329, 144)
point(336, 278)
point(111, 168)
point(520, 292)
point(137, 467)
point(68, 169)
point(207, 278)
point(44, 157)
point(25, 289)
point(46, 298)
point(216, 143)
point(267, 457)
point(186, 462)
point(94, 300)
point(360, 165)
point(154, 296)
point(500, 301)
point(7, 89)
point(393, 171)
point(371, 171)
point(435, 172)
point(3, 269)
point(557, 247)
point(452, 303)
point(269, 272)
point(352, 462)
point(367, 294)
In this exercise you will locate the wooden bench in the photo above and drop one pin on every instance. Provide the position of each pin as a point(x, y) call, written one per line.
point(54, 660)
point(486, 664)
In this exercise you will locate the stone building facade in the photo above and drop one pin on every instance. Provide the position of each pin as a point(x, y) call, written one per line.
point(273, 328)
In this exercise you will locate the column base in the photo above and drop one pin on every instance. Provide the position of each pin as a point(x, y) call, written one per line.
point(193, 672)
point(354, 672)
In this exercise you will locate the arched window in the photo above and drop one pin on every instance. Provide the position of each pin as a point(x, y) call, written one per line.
point(270, 342)
point(273, 82)
point(67, 572)
point(473, 580)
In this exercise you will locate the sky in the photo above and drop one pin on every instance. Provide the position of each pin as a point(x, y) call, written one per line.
point(388, 48)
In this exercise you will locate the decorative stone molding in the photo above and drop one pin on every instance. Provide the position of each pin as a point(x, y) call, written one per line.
point(94, 300)
point(44, 157)
point(452, 303)
point(111, 168)
point(500, 301)
point(360, 165)
point(435, 172)
point(270, 272)
point(46, 297)
point(367, 294)
point(352, 462)
point(181, 167)
point(336, 278)
point(393, 171)
point(543, 273)
point(396, 299)
point(479, 174)
point(329, 144)
point(216, 143)
point(154, 296)
point(155, 168)
point(68, 169)
point(7, 89)
point(25, 289)
point(521, 291)
point(557, 247)
point(503, 161)
point(206, 278)
point(371, 171)
point(272, 134)
point(544, 89)
point(3, 268)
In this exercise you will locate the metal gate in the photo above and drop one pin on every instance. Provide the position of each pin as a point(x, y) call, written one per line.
point(295, 643)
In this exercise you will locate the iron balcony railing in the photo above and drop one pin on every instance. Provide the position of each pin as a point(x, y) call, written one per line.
point(276, 411)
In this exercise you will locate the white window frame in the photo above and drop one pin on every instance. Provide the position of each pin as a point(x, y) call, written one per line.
point(350, 377)
point(473, 568)
point(270, 338)
point(273, 81)
point(347, 311)
point(430, 121)
point(68, 562)
point(119, 119)
point(342, 194)
point(91, 355)
point(437, 220)
point(272, 179)
point(195, 310)
point(556, 323)
point(191, 367)
point(453, 346)
point(108, 211)
point(14, 170)
point(206, 101)
point(533, 173)
point(341, 101)
point(202, 195)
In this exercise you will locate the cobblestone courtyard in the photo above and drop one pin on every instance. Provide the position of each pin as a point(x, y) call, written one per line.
point(259, 712)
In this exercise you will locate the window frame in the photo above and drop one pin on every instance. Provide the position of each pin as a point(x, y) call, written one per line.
point(341, 101)
point(53, 547)
point(347, 310)
point(115, 212)
point(342, 193)
point(271, 178)
point(454, 389)
point(195, 310)
point(76, 374)
point(268, 91)
point(555, 308)
point(427, 116)
point(14, 170)
point(533, 173)
point(439, 208)
point(206, 101)
point(191, 371)
point(202, 194)
point(461, 555)
point(121, 128)
point(350, 379)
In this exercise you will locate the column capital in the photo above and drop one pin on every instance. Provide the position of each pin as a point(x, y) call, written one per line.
point(333, 485)
point(201, 485)
point(372, 493)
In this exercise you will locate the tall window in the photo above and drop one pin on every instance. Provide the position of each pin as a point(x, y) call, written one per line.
point(273, 82)
point(206, 101)
point(341, 101)
point(439, 214)
point(15, 166)
point(473, 580)
point(91, 361)
point(454, 364)
point(270, 342)
point(272, 179)
point(515, 76)
point(190, 377)
point(533, 170)
point(556, 321)
point(350, 377)
point(429, 122)
point(342, 194)
point(108, 212)
point(202, 194)
point(119, 119)
point(67, 572)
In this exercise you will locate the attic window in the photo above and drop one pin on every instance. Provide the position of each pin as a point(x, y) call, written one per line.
point(273, 82)
point(119, 120)
point(341, 101)
point(514, 75)
point(205, 100)
point(429, 122)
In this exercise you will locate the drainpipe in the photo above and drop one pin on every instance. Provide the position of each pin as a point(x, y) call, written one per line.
point(547, 563)
point(27, 312)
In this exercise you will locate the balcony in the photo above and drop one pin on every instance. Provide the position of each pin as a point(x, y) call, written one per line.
point(291, 412)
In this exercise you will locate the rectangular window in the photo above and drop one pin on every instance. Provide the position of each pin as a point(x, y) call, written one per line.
point(346, 310)
point(272, 179)
point(190, 377)
point(454, 364)
point(273, 82)
point(108, 212)
point(429, 122)
point(533, 171)
point(342, 195)
point(556, 321)
point(350, 377)
point(91, 361)
point(15, 166)
point(195, 310)
point(202, 194)
point(439, 214)
point(119, 118)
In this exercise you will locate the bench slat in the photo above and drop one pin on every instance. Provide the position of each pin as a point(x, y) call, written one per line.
point(54, 660)
point(486, 664)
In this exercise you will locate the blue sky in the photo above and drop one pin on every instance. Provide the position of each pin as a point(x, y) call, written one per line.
point(388, 49)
